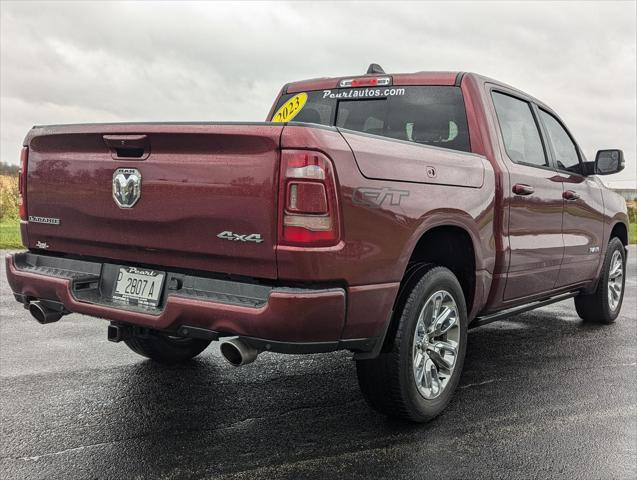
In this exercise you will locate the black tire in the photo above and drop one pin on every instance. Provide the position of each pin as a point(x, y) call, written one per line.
point(388, 382)
point(165, 349)
point(596, 307)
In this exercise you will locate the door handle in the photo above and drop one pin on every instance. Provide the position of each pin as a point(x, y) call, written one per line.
point(570, 195)
point(522, 189)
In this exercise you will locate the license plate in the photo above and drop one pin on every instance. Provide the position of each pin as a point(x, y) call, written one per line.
point(138, 286)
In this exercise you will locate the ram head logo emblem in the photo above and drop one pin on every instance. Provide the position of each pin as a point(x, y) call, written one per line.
point(127, 187)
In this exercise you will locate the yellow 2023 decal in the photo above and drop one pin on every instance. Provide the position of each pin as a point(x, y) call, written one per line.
point(291, 108)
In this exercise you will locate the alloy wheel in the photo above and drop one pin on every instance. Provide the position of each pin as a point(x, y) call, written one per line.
point(615, 280)
point(435, 344)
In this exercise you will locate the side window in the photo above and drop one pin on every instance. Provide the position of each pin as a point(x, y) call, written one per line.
point(519, 131)
point(564, 149)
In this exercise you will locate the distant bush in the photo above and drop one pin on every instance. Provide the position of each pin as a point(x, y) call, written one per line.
point(632, 211)
point(9, 197)
point(8, 169)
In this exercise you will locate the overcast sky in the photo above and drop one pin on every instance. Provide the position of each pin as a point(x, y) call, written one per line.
point(109, 62)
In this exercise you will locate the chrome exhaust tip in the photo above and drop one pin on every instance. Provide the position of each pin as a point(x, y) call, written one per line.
point(237, 352)
point(43, 314)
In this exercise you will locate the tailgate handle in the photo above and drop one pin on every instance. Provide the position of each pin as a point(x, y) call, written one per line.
point(128, 146)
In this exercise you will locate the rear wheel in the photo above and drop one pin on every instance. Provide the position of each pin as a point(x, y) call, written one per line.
point(417, 377)
point(166, 349)
point(604, 304)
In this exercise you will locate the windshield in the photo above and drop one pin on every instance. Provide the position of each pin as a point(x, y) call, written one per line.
point(431, 115)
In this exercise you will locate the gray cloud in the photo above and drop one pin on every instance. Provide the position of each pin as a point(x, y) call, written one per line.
point(107, 61)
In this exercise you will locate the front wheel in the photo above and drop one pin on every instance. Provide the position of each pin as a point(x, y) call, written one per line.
point(166, 349)
point(604, 304)
point(417, 377)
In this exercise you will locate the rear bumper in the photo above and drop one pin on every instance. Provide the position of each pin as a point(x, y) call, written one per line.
point(291, 320)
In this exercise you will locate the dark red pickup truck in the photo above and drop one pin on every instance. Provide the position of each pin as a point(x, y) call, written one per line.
point(381, 214)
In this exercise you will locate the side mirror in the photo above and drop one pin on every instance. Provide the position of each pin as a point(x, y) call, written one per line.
point(608, 162)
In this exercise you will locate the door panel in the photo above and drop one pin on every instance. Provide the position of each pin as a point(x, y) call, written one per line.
point(535, 232)
point(582, 222)
point(535, 201)
point(583, 229)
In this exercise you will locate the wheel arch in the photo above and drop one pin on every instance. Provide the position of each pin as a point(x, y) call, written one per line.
point(620, 231)
point(450, 246)
point(459, 253)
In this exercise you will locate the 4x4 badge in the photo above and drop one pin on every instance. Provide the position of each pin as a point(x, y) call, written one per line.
point(235, 237)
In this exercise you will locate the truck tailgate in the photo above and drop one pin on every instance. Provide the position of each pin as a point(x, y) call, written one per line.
point(196, 181)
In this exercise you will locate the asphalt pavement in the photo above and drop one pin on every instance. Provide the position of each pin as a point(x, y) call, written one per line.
point(543, 395)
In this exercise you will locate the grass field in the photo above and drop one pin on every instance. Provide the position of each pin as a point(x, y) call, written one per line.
point(10, 234)
point(9, 223)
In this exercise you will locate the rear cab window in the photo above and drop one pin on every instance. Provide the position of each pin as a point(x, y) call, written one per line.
point(428, 115)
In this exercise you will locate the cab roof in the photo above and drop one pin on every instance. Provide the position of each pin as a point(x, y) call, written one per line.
point(417, 78)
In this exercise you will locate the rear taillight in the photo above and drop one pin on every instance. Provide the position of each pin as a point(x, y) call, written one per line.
point(308, 212)
point(22, 183)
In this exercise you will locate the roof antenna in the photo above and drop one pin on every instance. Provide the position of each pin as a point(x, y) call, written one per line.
point(375, 68)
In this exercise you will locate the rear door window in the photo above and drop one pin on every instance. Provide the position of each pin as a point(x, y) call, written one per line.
point(519, 130)
point(429, 115)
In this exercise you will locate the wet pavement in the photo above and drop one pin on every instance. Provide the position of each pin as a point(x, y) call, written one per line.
point(542, 395)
